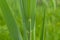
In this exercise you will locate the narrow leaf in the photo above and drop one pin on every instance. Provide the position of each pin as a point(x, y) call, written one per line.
point(11, 22)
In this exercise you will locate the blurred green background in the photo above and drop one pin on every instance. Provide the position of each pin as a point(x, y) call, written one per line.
point(52, 20)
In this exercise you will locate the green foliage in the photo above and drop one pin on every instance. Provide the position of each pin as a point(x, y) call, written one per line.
point(25, 20)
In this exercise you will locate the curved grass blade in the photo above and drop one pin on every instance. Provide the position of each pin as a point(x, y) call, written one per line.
point(11, 22)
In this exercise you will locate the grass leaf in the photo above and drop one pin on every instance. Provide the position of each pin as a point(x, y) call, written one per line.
point(11, 22)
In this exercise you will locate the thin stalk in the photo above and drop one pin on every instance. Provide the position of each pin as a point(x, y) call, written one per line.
point(34, 31)
point(32, 37)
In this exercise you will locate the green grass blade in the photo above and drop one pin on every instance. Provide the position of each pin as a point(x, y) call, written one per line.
point(28, 8)
point(24, 6)
point(11, 22)
point(33, 18)
point(43, 23)
point(32, 12)
point(24, 18)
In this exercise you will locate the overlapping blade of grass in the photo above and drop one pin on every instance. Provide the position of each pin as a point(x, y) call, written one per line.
point(43, 25)
point(15, 6)
point(25, 11)
point(43, 20)
point(28, 10)
point(23, 4)
point(33, 12)
point(52, 5)
point(11, 22)
point(53, 18)
point(33, 17)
